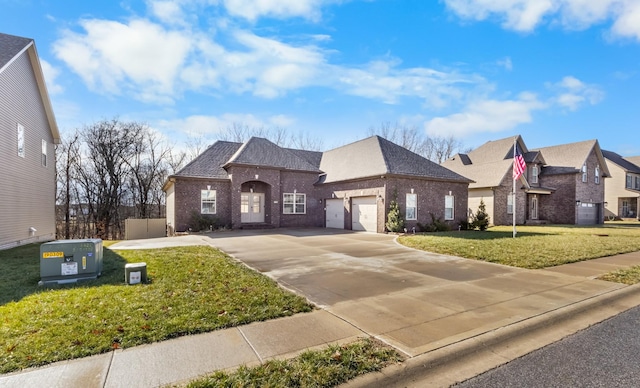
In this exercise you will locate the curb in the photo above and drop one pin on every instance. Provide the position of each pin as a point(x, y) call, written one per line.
point(463, 360)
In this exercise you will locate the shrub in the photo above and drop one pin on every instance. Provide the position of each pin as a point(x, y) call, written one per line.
point(436, 225)
point(200, 222)
point(395, 221)
point(481, 218)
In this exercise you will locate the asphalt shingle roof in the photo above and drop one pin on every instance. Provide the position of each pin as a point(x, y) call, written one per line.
point(261, 152)
point(488, 164)
point(562, 158)
point(10, 46)
point(625, 163)
point(633, 159)
point(376, 156)
point(209, 164)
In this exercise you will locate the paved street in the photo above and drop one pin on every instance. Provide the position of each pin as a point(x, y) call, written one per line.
point(605, 355)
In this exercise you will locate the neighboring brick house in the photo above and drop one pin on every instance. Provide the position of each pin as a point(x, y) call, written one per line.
point(561, 185)
point(28, 133)
point(622, 192)
point(259, 184)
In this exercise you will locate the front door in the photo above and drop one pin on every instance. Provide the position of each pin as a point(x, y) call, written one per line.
point(251, 207)
point(534, 207)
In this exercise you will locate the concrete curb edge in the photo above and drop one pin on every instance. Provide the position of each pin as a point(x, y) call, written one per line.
point(465, 359)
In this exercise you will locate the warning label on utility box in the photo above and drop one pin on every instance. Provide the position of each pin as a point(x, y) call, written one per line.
point(51, 255)
point(70, 268)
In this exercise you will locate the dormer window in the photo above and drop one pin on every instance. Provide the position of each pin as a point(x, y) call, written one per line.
point(584, 172)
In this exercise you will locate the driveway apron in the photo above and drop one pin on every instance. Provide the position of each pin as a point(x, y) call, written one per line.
point(414, 300)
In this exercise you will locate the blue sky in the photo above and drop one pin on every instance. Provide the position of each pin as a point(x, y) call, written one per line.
point(554, 71)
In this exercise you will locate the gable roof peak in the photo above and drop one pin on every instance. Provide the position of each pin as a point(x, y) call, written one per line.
point(258, 151)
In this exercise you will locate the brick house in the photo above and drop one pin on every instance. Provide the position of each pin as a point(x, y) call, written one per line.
point(622, 192)
point(28, 134)
point(562, 184)
point(259, 184)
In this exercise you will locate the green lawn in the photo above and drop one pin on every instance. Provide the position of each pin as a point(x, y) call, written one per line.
point(191, 290)
point(534, 246)
point(322, 368)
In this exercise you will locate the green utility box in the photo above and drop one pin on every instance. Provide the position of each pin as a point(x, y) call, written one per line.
point(67, 261)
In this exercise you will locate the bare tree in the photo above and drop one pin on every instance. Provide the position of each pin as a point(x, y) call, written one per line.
point(240, 133)
point(68, 155)
point(434, 148)
point(110, 144)
point(148, 165)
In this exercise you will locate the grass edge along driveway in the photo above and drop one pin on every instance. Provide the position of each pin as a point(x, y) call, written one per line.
point(535, 246)
point(190, 290)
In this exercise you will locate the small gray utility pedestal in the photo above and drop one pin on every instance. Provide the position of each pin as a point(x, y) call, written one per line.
point(135, 273)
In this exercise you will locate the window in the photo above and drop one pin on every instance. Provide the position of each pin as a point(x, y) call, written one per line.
point(510, 203)
point(629, 182)
point(294, 203)
point(449, 207)
point(208, 201)
point(584, 172)
point(597, 175)
point(44, 153)
point(637, 183)
point(534, 174)
point(412, 207)
point(20, 141)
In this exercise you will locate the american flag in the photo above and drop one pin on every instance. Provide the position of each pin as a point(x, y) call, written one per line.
point(518, 164)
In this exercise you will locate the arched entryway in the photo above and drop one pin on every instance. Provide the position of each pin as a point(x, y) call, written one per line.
point(254, 195)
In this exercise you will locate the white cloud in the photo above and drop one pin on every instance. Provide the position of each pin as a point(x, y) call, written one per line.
point(254, 9)
point(486, 116)
point(167, 11)
point(50, 75)
point(388, 82)
point(140, 55)
point(573, 93)
point(527, 15)
point(506, 63)
point(201, 125)
point(157, 63)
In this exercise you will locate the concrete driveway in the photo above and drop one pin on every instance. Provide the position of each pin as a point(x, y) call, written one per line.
point(416, 301)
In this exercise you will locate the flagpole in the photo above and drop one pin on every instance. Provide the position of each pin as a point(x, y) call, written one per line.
point(515, 139)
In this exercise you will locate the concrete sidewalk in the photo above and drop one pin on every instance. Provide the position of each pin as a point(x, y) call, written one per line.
point(453, 318)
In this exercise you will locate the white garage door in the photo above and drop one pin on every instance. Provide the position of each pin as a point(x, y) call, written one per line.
point(365, 214)
point(588, 214)
point(335, 213)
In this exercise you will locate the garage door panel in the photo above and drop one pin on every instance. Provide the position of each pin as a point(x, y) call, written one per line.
point(335, 213)
point(365, 214)
point(588, 214)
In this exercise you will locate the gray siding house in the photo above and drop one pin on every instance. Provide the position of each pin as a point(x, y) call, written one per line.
point(28, 133)
point(562, 184)
point(259, 184)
